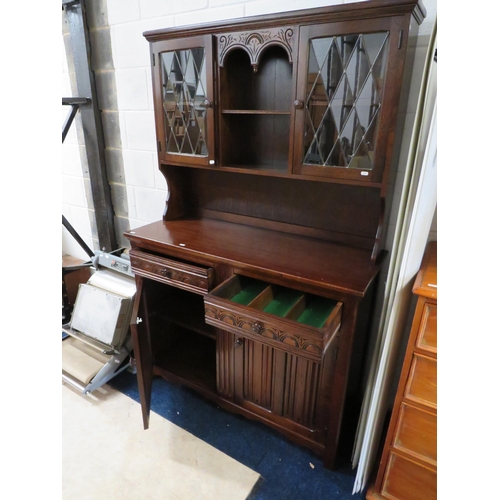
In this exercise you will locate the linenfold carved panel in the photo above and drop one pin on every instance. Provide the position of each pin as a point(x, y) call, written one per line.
point(264, 370)
point(254, 42)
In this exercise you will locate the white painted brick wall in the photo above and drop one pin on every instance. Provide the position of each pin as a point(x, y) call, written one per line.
point(73, 198)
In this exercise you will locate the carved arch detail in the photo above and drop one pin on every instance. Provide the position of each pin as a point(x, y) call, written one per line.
point(255, 42)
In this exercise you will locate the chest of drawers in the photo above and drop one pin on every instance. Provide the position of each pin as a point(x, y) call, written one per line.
point(408, 468)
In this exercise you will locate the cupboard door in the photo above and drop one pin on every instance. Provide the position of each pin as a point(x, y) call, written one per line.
point(143, 354)
point(270, 380)
point(184, 100)
point(346, 93)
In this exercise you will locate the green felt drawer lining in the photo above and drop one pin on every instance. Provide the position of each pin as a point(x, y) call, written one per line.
point(249, 293)
point(317, 312)
point(283, 302)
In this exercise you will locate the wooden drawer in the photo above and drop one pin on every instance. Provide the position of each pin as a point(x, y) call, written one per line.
point(279, 316)
point(427, 334)
point(416, 433)
point(422, 381)
point(408, 480)
point(195, 279)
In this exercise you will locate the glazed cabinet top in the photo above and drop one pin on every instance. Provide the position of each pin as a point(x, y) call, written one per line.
point(311, 94)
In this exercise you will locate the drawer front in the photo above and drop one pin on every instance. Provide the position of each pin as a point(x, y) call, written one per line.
point(427, 335)
point(186, 276)
point(223, 311)
point(422, 381)
point(416, 433)
point(407, 480)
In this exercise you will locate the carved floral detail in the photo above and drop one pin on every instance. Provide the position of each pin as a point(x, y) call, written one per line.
point(170, 274)
point(254, 42)
point(248, 325)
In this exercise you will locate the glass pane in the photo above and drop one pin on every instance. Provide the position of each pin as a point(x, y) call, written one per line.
point(184, 81)
point(344, 95)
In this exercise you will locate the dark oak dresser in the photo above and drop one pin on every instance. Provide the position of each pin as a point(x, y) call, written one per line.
point(275, 136)
point(408, 467)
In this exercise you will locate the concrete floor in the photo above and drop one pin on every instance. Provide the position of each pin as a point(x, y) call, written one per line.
point(107, 455)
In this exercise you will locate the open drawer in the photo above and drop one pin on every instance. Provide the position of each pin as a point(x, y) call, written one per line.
point(276, 315)
point(189, 277)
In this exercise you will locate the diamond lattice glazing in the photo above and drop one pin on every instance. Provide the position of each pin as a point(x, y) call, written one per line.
point(184, 83)
point(344, 95)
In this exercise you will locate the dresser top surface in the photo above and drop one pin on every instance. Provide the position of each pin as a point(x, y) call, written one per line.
point(315, 262)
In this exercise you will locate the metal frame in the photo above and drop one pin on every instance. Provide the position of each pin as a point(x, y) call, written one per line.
point(91, 122)
point(75, 103)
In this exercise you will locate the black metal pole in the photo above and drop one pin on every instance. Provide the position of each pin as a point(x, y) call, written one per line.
point(91, 123)
point(77, 237)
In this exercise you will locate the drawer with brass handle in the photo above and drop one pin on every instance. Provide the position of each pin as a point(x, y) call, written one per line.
point(194, 278)
point(278, 316)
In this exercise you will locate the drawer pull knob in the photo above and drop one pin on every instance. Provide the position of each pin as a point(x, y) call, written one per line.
point(238, 342)
point(257, 328)
point(166, 272)
point(298, 104)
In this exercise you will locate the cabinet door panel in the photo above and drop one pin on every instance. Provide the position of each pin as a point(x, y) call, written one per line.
point(258, 361)
point(344, 91)
point(301, 390)
point(143, 354)
point(280, 382)
point(184, 100)
point(225, 363)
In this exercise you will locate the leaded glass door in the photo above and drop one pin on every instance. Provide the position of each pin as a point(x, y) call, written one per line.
point(342, 99)
point(184, 100)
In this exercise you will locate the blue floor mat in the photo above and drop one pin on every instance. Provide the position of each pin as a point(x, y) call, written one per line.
point(289, 471)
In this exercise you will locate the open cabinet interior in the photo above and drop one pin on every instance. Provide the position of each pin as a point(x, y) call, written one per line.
point(183, 342)
point(255, 120)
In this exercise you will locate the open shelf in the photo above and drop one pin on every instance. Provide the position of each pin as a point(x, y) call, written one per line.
point(256, 139)
point(187, 356)
point(255, 121)
point(182, 308)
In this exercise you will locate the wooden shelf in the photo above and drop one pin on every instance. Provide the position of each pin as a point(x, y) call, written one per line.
point(181, 308)
point(261, 169)
point(190, 357)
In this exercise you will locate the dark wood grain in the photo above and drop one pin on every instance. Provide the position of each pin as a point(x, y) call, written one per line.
point(277, 256)
point(253, 208)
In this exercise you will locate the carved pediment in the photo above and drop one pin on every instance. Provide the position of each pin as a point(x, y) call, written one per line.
point(255, 42)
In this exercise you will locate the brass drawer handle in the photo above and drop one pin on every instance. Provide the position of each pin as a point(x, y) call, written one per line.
point(166, 272)
point(257, 328)
point(238, 342)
